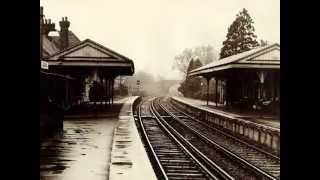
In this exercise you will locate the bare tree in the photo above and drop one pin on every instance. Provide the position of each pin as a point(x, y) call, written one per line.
point(182, 61)
point(206, 54)
point(263, 42)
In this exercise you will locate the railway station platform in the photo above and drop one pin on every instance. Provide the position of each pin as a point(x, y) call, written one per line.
point(266, 120)
point(257, 130)
point(97, 147)
point(129, 159)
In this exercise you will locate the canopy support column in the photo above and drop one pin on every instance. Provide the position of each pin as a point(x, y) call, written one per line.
point(216, 93)
point(66, 93)
point(274, 92)
point(208, 83)
point(112, 90)
point(106, 91)
point(109, 93)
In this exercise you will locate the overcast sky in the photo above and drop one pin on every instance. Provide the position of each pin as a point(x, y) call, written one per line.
point(152, 32)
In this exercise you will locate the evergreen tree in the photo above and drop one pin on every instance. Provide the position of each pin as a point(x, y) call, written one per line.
point(240, 36)
point(190, 67)
point(190, 87)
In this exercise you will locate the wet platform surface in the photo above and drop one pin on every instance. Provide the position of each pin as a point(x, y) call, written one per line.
point(129, 159)
point(97, 147)
point(267, 121)
point(82, 151)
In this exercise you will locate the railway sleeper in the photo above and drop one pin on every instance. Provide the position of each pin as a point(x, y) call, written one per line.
point(170, 156)
point(184, 166)
point(174, 160)
point(182, 170)
point(193, 178)
point(186, 175)
point(168, 151)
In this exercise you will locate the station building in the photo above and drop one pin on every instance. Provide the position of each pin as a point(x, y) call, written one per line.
point(246, 79)
point(75, 72)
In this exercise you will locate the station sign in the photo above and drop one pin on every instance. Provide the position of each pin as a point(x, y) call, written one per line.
point(44, 65)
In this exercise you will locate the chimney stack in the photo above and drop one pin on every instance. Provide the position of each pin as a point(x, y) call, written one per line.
point(64, 33)
point(47, 26)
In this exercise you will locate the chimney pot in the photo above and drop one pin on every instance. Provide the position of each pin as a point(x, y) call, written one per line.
point(49, 21)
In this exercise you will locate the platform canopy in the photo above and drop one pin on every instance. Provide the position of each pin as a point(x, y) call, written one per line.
point(89, 54)
point(266, 57)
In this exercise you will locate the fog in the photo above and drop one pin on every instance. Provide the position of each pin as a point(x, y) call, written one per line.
point(150, 85)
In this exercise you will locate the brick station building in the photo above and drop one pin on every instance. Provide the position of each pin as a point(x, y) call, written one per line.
point(75, 72)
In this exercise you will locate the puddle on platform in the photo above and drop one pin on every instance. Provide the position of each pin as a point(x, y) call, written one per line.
point(81, 153)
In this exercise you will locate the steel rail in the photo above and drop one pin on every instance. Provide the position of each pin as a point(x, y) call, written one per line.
point(223, 174)
point(228, 152)
point(145, 136)
point(228, 135)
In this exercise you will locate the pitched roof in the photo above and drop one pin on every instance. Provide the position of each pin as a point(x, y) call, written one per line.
point(88, 49)
point(48, 47)
point(88, 53)
point(51, 45)
point(73, 39)
point(267, 55)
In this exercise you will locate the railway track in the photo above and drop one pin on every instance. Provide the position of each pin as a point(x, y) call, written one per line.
point(263, 164)
point(172, 157)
